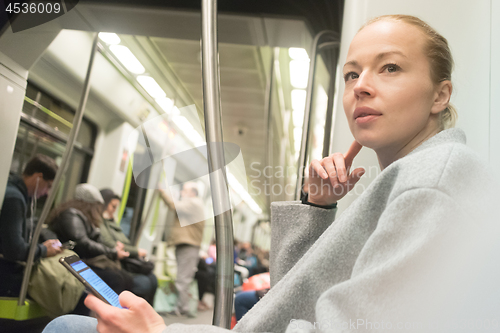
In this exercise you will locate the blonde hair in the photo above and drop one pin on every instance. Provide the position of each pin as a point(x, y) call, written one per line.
point(440, 59)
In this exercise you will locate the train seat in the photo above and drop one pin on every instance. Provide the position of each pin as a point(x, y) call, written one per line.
point(9, 309)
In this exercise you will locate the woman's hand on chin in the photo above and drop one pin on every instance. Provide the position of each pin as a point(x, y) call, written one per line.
point(329, 179)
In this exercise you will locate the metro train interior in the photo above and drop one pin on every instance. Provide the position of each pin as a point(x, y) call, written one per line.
point(148, 64)
point(148, 70)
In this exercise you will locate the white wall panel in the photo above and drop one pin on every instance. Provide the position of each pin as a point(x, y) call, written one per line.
point(495, 87)
point(12, 90)
point(467, 27)
point(107, 170)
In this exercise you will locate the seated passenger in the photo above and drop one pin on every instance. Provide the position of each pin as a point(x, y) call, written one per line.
point(247, 258)
point(79, 220)
point(245, 300)
point(416, 251)
point(16, 229)
point(111, 235)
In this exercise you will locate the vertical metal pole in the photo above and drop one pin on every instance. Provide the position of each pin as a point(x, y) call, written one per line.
point(61, 171)
point(218, 181)
point(268, 114)
point(329, 109)
point(307, 112)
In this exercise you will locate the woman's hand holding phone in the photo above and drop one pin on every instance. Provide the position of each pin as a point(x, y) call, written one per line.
point(138, 316)
point(121, 253)
point(330, 180)
point(53, 247)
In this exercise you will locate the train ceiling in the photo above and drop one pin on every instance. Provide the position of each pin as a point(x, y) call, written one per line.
point(171, 30)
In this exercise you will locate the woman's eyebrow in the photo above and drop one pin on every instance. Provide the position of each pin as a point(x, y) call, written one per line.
point(385, 54)
point(379, 56)
point(352, 63)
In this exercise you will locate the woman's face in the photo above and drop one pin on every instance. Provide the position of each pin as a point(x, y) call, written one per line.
point(113, 204)
point(389, 96)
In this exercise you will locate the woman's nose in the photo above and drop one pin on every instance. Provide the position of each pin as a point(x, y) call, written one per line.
point(364, 85)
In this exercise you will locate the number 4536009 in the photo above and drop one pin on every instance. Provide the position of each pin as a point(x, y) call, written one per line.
point(33, 8)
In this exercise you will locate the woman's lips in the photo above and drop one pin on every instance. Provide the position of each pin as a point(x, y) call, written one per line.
point(366, 119)
point(365, 114)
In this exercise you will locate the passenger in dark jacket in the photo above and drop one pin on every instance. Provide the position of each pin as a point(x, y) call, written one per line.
point(15, 229)
point(144, 284)
point(79, 220)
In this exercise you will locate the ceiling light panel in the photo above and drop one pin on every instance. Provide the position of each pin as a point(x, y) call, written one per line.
point(297, 137)
point(127, 58)
point(299, 70)
point(109, 38)
point(298, 100)
point(151, 86)
point(297, 53)
point(298, 117)
point(165, 103)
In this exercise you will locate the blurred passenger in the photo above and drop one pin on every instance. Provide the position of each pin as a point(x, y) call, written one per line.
point(262, 261)
point(186, 239)
point(247, 258)
point(111, 235)
point(79, 220)
point(212, 251)
point(15, 229)
point(240, 273)
point(245, 300)
point(205, 275)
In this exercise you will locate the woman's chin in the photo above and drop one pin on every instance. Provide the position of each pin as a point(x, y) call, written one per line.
point(368, 141)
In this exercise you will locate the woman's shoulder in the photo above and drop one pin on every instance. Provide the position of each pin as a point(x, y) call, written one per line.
point(70, 214)
point(442, 163)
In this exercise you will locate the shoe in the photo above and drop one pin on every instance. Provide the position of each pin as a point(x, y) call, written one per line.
point(191, 315)
point(202, 306)
point(175, 313)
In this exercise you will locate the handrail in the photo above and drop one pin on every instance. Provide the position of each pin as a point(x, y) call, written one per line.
point(216, 162)
point(327, 137)
point(307, 112)
point(62, 169)
point(48, 112)
point(269, 122)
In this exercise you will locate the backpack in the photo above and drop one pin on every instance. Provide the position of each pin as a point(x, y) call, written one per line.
point(53, 287)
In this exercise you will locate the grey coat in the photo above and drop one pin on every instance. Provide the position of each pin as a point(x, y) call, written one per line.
point(395, 256)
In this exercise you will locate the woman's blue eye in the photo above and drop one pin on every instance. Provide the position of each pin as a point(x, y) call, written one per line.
point(392, 68)
point(350, 76)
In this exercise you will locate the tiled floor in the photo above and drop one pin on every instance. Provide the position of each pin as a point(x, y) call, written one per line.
point(204, 317)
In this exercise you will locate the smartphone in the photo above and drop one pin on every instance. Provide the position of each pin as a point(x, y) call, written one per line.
point(92, 282)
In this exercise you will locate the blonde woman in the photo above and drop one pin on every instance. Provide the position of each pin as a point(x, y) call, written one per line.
point(393, 259)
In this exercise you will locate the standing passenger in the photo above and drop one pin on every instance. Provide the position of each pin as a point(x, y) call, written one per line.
point(187, 240)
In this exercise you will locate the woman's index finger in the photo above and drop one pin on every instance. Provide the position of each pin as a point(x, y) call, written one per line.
point(352, 152)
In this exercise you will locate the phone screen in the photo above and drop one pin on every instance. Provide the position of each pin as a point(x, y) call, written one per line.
point(96, 282)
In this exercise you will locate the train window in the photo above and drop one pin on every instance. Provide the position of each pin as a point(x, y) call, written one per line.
point(44, 130)
point(56, 114)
